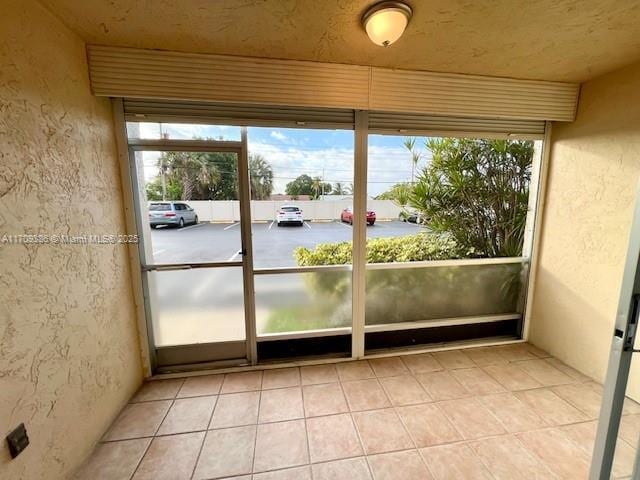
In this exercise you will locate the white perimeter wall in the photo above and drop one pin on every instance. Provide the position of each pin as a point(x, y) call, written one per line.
point(266, 210)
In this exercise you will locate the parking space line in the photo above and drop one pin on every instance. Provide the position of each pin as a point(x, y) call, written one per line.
point(234, 256)
point(306, 224)
point(344, 224)
point(271, 225)
point(158, 252)
point(231, 226)
point(191, 226)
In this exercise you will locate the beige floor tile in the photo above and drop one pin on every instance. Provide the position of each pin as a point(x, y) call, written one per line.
point(315, 374)
point(407, 465)
point(349, 469)
point(138, 420)
point(538, 352)
point(631, 407)
point(357, 370)
point(382, 431)
point(507, 459)
point(559, 454)
point(427, 425)
point(281, 445)
point(226, 453)
point(201, 386)
point(471, 418)
point(114, 460)
point(365, 395)
point(281, 378)
point(297, 473)
point(324, 399)
point(454, 462)
point(451, 359)
point(242, 382)
point(543, 372)
point(630, 429)
point(281, 404)
point(514, 415)
point(567, 370)
point(476, 381)
point(388, 366)
point(515, 352)
point(332, 437)
point(550, 407)
point(484, 356)
point(512, 377)
point(235, 410)
point(441, 385)
point(188, 415)
point(421, 363)
point(171, 458)
point(158, 390)
point(404, 390)
point(581, 396)
point(584, 435)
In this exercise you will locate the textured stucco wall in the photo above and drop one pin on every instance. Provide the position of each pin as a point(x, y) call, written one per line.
point(593, 176)
point(69, 352)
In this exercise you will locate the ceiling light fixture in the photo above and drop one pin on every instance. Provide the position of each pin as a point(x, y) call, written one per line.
point(385, 22)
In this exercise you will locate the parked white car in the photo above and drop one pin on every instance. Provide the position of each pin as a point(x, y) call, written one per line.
point(290, 214)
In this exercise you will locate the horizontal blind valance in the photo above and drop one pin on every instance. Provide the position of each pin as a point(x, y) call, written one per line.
point(154, 74)
point(229, 114)
point(416, 124)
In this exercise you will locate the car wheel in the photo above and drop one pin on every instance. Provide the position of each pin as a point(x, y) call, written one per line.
point(195, 220)
point(278, 224)
point(351, 221)
point(154, 226)
point(181, 223)
point(302, 223)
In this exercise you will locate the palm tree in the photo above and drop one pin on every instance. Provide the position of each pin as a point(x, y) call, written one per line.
point(410, 143)
point(190, 170)
point(317, 187)
point(339, 189)
point(261, 177)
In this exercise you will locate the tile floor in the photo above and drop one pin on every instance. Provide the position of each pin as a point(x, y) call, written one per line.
point(508, 412)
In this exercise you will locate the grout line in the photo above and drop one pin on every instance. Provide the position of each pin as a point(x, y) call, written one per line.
point(204, 437)
point(255, 439)
point(154, 434)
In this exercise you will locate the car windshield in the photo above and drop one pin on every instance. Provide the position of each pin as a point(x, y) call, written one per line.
point(290, 209)
point(159, 207)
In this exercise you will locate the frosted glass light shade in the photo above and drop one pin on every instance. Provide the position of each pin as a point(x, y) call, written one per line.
point(385, 23)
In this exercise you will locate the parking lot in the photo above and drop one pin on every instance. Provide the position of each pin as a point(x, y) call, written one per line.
point(273, 246)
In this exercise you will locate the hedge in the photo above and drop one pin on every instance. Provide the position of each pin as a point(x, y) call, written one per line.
point(410, 248)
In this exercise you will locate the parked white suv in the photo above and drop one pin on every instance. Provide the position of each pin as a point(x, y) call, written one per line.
point(290, 214)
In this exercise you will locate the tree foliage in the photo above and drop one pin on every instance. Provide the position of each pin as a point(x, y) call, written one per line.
point(208, 176)
point(305, 185)
point(477, 192)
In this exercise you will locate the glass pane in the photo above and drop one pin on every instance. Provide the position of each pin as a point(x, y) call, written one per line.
point(446, 198)
point(294, 302)
point(182, 131)
point(201, 305)
point(301, 188)
point(189, 206)
point(427, 293)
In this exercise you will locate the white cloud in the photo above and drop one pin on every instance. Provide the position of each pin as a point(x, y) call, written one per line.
point(279, 135)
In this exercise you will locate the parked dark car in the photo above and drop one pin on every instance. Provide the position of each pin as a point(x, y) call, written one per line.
point(410, 216)
point(347, 216)
point(172, 214)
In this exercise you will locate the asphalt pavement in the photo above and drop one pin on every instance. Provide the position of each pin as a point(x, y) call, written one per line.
point(273, 246)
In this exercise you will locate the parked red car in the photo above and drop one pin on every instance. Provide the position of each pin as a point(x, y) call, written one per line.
point(347, 216)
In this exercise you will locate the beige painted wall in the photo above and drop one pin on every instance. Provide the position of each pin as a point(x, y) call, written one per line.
point(69, 352)
point(593, 176)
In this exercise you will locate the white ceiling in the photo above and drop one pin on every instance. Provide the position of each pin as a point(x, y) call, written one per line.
point(566, 40)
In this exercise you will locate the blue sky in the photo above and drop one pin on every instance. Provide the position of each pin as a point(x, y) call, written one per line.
point(293, 152)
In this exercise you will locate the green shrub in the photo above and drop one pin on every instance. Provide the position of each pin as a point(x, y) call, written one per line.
point(410, 248)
